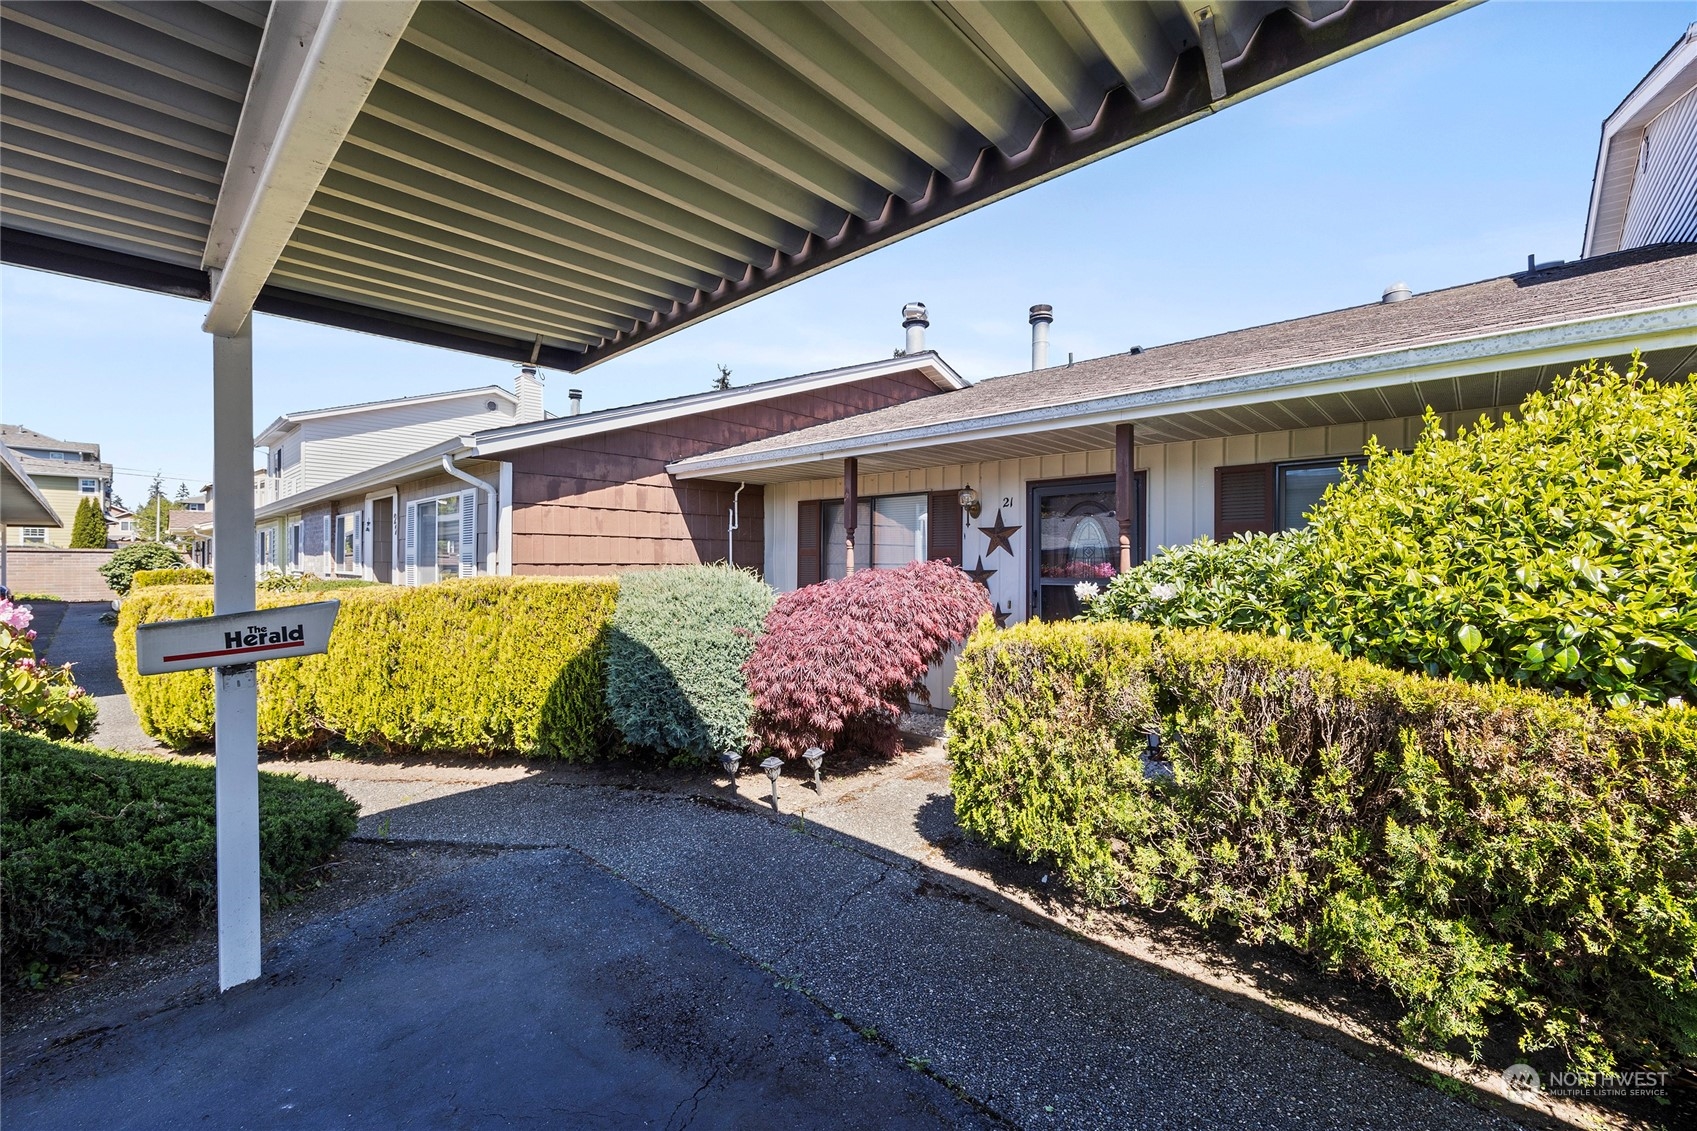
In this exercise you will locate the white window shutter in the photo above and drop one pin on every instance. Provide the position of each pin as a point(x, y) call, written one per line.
point(329, 560)
point(468, 533)
point(412, 543)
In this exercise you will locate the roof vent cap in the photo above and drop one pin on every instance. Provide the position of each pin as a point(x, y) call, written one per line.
point(1397, 292)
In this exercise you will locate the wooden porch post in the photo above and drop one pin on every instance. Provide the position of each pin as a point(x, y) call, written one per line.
point(1125, 489)
point(851, 506)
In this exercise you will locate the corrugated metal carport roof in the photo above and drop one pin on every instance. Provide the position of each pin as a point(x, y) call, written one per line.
point(565, 181)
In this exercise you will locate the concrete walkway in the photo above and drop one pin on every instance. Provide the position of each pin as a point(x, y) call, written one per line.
point(670, 955)
point(83, 641)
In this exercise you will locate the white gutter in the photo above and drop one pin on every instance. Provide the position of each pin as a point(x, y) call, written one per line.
point(1660, 328)
point(493, 509)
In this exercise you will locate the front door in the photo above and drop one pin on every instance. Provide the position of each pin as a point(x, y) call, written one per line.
point(1077, 540)
point(383, 540)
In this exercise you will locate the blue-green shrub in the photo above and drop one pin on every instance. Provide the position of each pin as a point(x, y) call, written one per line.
point(674, 658)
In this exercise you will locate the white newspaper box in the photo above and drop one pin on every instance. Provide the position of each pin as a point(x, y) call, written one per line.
point(235, 638)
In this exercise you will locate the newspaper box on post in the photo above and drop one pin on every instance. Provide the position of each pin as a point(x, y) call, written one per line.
point(235, 638)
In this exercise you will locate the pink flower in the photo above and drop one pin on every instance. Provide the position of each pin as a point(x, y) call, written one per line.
point(15, 617)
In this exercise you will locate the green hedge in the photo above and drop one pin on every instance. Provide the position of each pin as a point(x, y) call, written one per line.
point(189, 575)
point(1489, 853)
point(674, 658)
point(480, 665)
point(99, 850)
point(1556, 549)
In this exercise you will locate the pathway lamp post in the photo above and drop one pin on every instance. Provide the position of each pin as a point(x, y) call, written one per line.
point(814, 757)
point(773, 767)
point(730, 760)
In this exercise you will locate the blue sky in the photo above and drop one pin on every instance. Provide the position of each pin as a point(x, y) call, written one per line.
point(1443, 157)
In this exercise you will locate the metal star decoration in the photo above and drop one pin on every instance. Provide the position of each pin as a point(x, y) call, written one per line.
point(1000, 535)
point(980, 575)
point(1001, 616)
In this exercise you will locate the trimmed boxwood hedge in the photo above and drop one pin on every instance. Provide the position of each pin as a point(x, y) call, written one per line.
point(101, 850)
point(481, 665)
point(674, 658)
point(1491, 854)
point(189, 575)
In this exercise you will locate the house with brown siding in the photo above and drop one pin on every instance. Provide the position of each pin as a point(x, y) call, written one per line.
point(587, 493)
point(1072, 473)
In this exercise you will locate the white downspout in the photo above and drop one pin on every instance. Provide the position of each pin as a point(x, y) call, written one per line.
point(494, 508)
point(731, 533)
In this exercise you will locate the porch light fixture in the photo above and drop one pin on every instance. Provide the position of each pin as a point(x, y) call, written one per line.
point(814, 756)
point(730, 759)
point(969, 502)
point(773, 767)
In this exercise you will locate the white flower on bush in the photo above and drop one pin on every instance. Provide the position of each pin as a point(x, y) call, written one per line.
point(1163, 592)
point(1087, 591)
point(1676, 703)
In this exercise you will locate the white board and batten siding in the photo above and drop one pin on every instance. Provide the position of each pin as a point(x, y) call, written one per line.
point(1663, 204)
point(1180, 491)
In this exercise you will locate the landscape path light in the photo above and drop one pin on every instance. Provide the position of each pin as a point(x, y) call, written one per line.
point(1155, 767)
point(730, 759)
point(773, 767)
point(814, 756)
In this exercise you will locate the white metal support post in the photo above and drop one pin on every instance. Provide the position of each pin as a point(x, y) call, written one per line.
point(237, 733)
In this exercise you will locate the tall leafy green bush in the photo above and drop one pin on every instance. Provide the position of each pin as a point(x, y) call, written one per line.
point(1488, 853)
point(479, 665)
point(100, 850)
point(675, 654)
point(88, 528)
point(1557, 549)
point(121, 570)
point(1251, 583)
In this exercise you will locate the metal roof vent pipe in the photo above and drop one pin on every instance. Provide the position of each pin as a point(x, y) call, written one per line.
point(1041, 315)
point(576, 396)
point(915, 323)
point(1397, 292)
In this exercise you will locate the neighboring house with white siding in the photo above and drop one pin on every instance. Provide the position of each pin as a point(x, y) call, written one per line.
point(1645, 189)
point(306, 450)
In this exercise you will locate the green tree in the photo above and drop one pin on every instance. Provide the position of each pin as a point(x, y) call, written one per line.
point(153, 521)
point(182, 492)
point(723, 380)
point(88, 529)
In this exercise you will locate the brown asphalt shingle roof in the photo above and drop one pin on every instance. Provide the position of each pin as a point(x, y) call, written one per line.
point(1640, 279)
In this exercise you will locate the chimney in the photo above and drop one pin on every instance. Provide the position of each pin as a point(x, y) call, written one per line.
point(577, 400)
point(528, 388)
point(915, 323)
point(1397, 292)
point(1041, 315)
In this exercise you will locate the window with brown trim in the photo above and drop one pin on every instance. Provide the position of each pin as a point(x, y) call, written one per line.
point(890, 530)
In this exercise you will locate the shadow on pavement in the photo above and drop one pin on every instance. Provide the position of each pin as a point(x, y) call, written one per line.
point(666, 947)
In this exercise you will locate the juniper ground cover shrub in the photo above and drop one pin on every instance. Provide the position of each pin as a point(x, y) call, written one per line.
point(100, 850)
point(475, 666)
point(1493, 855)
point(679, 639)
point(840, 658)
point(1557, 550)
point(188, 575)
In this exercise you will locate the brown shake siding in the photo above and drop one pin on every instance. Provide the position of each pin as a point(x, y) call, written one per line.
point(605, 502)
